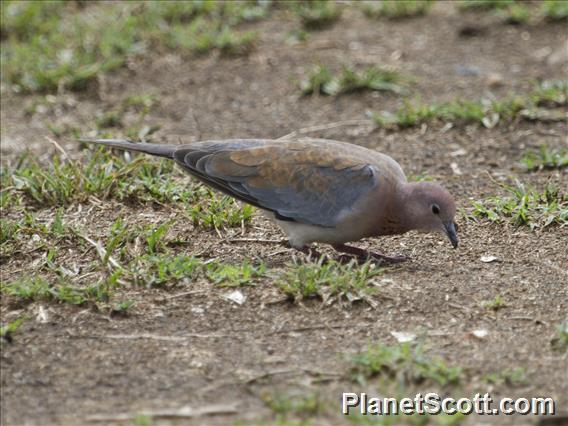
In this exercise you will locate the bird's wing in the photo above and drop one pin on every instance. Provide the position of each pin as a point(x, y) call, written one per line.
point(300, 181)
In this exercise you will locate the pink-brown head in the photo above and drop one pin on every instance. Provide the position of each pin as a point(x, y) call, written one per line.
point(429, 207)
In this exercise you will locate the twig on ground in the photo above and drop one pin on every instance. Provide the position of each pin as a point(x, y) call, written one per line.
point(101, 251)
point(59, 147)
point(186, 411)
point(185, 293)
point(326, 127)
point(254, 240)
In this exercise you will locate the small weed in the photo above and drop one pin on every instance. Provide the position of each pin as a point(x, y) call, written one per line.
point(141, 102)
point(515, 377)
point(122, 308)
point(317, 14)
point(9, 229)
point(321, 81)
point(396, 9)
point(108, 120)
point(142, 420)
point(494, 304)
point(162, 269)
point(154, 236)
point(560, 341)
point(554, 10)
point(487, 113)
point(485, 4)
point(287, 405)
point(525, 206)
point(422, 177)
point(404, 363)
point(545, 159)
point(234, 275)
point(328, 280)
point(515, 14)
point(219, 212)
point(7, 330)
point(36, 288)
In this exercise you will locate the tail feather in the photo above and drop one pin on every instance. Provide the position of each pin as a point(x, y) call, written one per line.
point(147, 148)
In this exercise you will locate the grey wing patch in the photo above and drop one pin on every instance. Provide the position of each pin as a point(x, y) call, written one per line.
point(309, 205)
point(312, 195)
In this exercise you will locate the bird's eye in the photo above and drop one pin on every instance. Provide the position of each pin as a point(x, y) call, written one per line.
point(435, 209)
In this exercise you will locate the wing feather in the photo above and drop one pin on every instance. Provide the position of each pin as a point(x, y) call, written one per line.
point(297, 180)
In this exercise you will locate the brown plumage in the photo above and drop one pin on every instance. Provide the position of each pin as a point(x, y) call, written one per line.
point(315, 190)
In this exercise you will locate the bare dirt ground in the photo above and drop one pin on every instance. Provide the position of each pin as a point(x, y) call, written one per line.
point(199, 349)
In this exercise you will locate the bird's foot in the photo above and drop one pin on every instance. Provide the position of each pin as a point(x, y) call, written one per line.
point(312, 253)
point(364, 255)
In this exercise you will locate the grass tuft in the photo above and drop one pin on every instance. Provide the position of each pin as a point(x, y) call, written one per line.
point(487, 113)
point(321, 81)
point(36, 288)
point(6, 330)
point(309, 404)
point(485, 4)
point(328, 280)
point(545, 159)
point(50, 46)
point(497, 303)
point(404, 363)
point(525, 206)
point(227, 275)
point(515, 377)
point(396, 9)
point(317, 14)
point(560, 341)
point(554, 10)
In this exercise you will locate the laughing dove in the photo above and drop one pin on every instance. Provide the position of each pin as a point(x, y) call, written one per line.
point(315, 190)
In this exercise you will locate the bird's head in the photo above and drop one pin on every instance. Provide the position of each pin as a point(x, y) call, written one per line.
point(430, 208)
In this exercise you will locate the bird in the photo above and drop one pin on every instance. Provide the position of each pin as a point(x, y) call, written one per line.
point(315, 190)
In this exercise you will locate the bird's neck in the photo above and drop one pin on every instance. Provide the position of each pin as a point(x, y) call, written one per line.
point(402, 212)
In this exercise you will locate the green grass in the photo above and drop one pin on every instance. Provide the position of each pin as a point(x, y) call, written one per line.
point(322, 81)
point(6, 330)
point(515, 377)
point(328, 280)
point(35, 288)
point(554, 10)
point(49, 46)
point(487, 113)
point(516, 14)
point(560, 341)
point(495, 304)
point(525, 206)
point(405, 364)
point(519, 12)
point(317, 14)
point(396, 9)
point(106, 176)
point(164, 269)
point(545, 159)
point(219, 212)
point(306, 404)
point(485, 4)
point(227, 275)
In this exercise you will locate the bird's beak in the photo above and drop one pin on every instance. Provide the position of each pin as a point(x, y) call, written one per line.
point(451, 232)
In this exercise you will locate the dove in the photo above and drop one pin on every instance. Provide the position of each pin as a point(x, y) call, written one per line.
point(315, 190)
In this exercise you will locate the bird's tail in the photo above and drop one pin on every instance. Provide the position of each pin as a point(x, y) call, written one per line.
point(147, 148)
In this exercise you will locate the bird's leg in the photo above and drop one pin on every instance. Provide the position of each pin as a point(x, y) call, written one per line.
point(310, 252)
point(366, 255)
